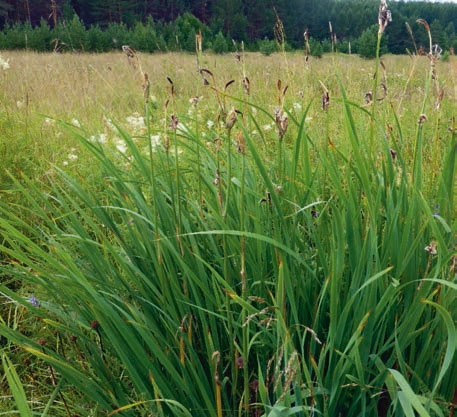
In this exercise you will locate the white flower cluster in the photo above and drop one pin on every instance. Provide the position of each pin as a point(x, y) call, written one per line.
point(4, 63)
point(136, 123)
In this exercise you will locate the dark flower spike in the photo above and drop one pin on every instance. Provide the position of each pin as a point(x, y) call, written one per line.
point(206, 71)
point(172, 86)
point(228, 84)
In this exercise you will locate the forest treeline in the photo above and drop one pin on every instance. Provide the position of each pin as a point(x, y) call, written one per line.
point(171, 25)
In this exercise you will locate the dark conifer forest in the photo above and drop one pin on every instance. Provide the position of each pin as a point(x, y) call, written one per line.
point(171, 25)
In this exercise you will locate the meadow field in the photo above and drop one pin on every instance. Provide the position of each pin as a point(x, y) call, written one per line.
point(221, 235)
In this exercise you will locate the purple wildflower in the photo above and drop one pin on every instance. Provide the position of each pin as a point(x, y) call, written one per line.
point(34, 301)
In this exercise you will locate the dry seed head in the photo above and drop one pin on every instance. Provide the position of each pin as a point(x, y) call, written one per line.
point(254, 315)
point(424, 23)
point(422, 118)
point(231, 119)
point(384, 90)
point(384, 16)
point(194, 100)
point(431, 248)
point(146, 87)
point(199, 41)
point(439, 99)
point(453, 264)
point(280, 35)
point(241, 143)
point(246, 85)
point(282, 122)
point(292, 368)
point(129, 51)
point(166, 145)
point(174, 121)
point(257, 299)
point(325, 100)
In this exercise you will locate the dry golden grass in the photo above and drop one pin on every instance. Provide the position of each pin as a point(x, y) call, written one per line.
point(89, 88)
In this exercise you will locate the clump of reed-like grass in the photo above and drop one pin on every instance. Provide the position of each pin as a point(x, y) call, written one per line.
point(298, 273)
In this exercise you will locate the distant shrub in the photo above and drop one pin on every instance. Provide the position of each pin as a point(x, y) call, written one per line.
point(73, 34)
point(41, 37)
point(145, 37)
point(445, 57)
point(220, 45)
point(267, 46)
point(316, 48)
point(15, 36)
point(367, 43)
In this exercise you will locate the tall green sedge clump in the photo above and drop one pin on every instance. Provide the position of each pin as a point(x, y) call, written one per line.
point(205, 279)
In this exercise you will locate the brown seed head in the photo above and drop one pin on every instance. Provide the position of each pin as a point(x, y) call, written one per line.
point(94, 324)
point(174, 121)
point(384, 16)
point(431, 248)
point(231, 119)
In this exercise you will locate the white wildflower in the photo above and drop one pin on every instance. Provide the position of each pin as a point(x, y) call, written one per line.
point(136, 122)
point(76, 123)
point(183, 128)
point(121, 147)
point(209, 123)
point(100, 138)
point(267, 127)
point(297, 106)
point(72, 155)
point(155, 140)
point(4, 63)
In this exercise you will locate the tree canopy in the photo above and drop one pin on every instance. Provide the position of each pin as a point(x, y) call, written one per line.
point(251, 21)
